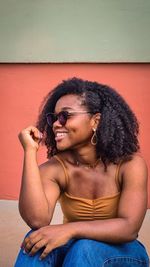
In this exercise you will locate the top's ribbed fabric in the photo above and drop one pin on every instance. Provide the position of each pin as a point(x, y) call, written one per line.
point(81, 209)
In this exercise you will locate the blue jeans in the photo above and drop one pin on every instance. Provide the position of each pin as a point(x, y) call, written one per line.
point(89, 253)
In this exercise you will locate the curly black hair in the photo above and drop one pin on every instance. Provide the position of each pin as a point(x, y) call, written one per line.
point(118, 128)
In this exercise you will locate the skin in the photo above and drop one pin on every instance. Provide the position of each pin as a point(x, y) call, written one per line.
point(42, 185)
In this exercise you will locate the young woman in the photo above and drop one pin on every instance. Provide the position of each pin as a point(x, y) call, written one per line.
point(94, 171)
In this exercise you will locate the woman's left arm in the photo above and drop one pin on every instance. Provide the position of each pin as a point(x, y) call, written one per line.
point(124, 228)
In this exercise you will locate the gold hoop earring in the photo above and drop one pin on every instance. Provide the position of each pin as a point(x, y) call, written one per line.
point(94, 138)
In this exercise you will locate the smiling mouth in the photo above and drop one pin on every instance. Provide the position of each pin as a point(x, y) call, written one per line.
point(60, 136)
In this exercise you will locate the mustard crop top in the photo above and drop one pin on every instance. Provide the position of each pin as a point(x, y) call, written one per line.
point(83, 209)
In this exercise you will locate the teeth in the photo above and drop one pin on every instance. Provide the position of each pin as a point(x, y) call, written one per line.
point(60, 134)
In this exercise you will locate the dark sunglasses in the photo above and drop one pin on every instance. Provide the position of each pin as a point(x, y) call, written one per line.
point(62, 116)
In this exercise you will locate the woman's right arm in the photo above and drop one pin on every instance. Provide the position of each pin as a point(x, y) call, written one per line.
point(39, 193)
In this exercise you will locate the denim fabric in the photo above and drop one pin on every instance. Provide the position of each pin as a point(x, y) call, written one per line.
point(89, 253)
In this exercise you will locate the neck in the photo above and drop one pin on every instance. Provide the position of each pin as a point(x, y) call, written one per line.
point(85, 156)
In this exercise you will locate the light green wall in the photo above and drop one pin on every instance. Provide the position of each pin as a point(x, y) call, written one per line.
point(75, 30)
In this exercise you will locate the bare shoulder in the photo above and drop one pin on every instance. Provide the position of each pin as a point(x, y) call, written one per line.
point(135, 169)
point(137, 163)
point(133, 200)
point(52, 170)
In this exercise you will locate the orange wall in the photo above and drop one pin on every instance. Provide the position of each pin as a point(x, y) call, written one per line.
point(22, 88)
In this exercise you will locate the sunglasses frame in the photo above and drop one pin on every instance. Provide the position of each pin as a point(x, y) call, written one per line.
point(66, 114)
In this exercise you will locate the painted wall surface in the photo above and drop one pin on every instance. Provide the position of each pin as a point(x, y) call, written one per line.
point(74, 31)
point(22, 88)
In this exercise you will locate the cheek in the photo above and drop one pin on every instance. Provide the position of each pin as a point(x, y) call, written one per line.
point(75, 136)
point(80, 131)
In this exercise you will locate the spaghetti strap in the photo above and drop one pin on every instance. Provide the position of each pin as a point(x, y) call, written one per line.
point(63, 166)
point(117, 175)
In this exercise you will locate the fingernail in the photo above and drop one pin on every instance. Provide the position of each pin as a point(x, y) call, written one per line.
point(24, 252)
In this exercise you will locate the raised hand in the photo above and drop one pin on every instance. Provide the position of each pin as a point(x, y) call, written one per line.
point(30, 138)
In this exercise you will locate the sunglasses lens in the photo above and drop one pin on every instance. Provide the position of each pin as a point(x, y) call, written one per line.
point(62, 117)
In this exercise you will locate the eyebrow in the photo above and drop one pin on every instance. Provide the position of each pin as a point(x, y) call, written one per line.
point(66, 108)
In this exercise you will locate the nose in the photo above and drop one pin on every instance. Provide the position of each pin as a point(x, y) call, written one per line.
point(56, 124)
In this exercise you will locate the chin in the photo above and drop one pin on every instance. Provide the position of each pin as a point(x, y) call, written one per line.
point(62, 147)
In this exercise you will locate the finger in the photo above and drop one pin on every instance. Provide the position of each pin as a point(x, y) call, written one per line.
point(46, 251)
point(36, 133)
point(40, 137)
point(33, 131)
point(29, 236)
point(37, 246)
point(29, 242)
point(28, 246)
